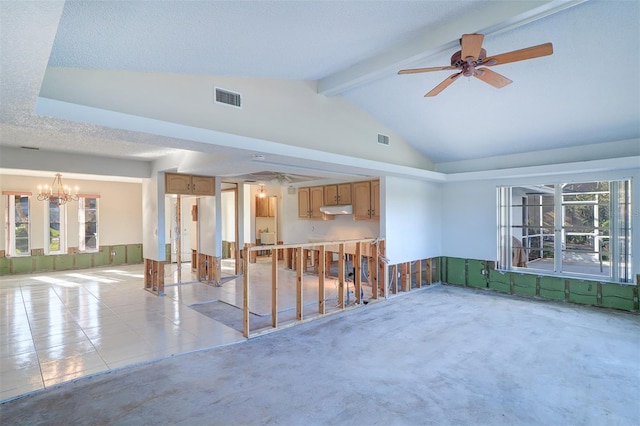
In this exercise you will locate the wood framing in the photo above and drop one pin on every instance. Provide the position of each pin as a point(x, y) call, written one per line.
point(321, 276)
point(341, 276)
point(245, 293)
point(299, 274)
point(357, 279)
point(154, 276)
point(274, 288)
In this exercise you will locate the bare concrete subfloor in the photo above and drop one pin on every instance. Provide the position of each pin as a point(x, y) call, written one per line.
point(441, 355)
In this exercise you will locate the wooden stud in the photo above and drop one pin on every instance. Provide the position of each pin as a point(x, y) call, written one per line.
point(245, 296)
point(341, 276)
point(419, 273)
point(357, 273)
point(383, 271)
point(160, 280)
point(179, 238)
point(217, 269)
point(373, 271)
point(321, 276)
point(274, 288)
point(429, 271)
point(406, 284)
point(299, 274)
point(395, 279)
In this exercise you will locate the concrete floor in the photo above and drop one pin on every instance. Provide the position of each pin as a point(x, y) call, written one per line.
point(440, 355)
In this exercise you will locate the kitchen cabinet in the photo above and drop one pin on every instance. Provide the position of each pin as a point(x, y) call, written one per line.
point(176, 183)
point(265, 207)
point(366, 200)
point(309, 202)
point(337, 194)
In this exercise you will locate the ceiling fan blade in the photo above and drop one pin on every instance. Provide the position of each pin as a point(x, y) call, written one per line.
point(471, 45)
point(419, 70)
point(440, 87)
point(520, 55)
point(492, 77)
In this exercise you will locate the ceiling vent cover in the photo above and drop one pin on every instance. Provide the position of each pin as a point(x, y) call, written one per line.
point(383, 139)
point(227, 97)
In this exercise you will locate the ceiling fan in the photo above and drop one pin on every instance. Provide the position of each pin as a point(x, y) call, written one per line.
point(472, 55)
point(277, 177)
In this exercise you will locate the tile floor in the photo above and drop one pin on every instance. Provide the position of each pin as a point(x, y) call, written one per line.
point(59, 326)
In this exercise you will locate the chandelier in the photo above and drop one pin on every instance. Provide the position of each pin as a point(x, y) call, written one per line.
point(57, 193)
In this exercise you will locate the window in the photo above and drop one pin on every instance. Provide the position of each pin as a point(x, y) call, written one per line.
point(573, 228)
point(18, 226)
point(55, 233)
point(88, 223)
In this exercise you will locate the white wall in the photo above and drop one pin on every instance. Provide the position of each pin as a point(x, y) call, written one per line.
point(153, 218)
point(120, 209)
point(289, 112)
point(469, 226)
point(228, 216)
point(412, 219)
point(207, 226)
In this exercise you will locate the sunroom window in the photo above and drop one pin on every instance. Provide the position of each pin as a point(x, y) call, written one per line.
point(581, 229)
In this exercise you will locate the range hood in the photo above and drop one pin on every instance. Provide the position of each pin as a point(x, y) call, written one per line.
point(346, 209)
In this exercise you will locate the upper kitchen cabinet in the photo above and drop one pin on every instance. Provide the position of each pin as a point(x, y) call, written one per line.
point(176, 183)
point(265, 207)
point(309, 202)
point(337, 194)
point(366, 200)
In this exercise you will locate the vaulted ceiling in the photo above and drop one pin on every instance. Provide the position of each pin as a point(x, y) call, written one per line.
point(57, 55)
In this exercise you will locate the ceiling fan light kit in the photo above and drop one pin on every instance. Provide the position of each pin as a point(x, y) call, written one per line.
point(472, 55)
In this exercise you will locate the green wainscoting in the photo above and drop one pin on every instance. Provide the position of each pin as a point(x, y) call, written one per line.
point(482, 274)
point(107, 255)
point(551, 288)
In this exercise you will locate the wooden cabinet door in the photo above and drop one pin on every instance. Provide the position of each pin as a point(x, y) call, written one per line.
point(203, 185)
point(337, 194)
point(303, 203)
point(175, 183)
point(375, 199)
point(361, 198)
point(272, 207)
point(331, 195)
point(344, 193)
point(316, 198)
point(262, 207)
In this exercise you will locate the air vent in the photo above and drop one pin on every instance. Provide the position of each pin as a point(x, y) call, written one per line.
point(228, 98)
point(383, 139)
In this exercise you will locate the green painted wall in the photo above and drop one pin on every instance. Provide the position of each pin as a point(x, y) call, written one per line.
point(124, 254)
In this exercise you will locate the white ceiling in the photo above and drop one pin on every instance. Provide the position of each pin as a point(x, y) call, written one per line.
point(587, 92)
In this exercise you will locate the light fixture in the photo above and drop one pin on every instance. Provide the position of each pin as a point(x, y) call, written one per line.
point(57, 193)
point(261, 193)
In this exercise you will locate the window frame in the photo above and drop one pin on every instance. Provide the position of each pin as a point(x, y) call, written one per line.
point(62, 232)
point(10, 223)
point(82, 214)
point(513, 215)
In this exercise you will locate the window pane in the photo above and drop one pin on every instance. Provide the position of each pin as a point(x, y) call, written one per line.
point(54, 228)
point(88, 222)
point(21, 224)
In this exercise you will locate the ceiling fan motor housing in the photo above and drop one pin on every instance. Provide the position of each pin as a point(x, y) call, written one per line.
point(468, 67)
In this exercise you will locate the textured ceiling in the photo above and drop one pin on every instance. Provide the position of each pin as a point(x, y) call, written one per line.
point(587, 92)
